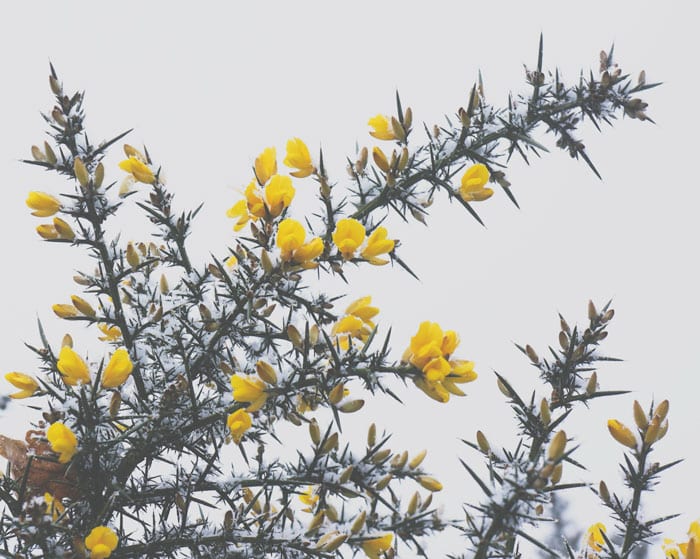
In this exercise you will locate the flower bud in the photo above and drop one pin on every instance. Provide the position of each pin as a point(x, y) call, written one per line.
point(399, 460)
point(81, 172)
point(397, 129)
point(407, 118)
point(652, 431)
point(352, 406)
point(358, 523)
point(314, 432)
point(622, 434)
point(592, 384)
point(430, 483)
point(662, 410)
point(337, 393)
point(114, 404)
point(417, 459)
point(83, 306)
point(63, 230)
point(382, 483)
point(346, 474)
point(266, 261)
point(372, 435)
point(330, 444)
point(483, 442)
point(556, 473)
point(316, 522)
point(545, 414)
point(640, 418)
point(413, 504)
point(592, 312)
point(266, 372)
point(132, 257)
point(557, 446)
point(381, 456)
point(67, 340)
point(532, 354)
point(380, 159)
point(604, 492)
point(295, 336)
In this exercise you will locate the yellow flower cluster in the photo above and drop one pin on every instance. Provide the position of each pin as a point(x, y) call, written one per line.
point(350, 234)
point(46, 205)
point(74, 370)
point(430, 351)
point(356, 324)
point(685, 550)
point(649, 431)
point(101, 541)
point(290, 239)
point(269, 193)
point(473, 187)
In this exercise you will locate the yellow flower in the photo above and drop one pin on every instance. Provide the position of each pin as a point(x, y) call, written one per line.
point(671, 550)
point(64, 311)
point(348, 236)
point(361, 309)
point(101, 541)
point(238, 423)
point(434, 390)
point(462, 371)
point(622, 434)
point(249, 389)
point(138, 169)
point(375, 546)
point(377, 244)
point(63, 230)
point(26, 384)
point(72, 367)
point(473, 184)
point(254, 200)
point(298, 157)
point(382, 128)
point(54, 507)
point(43, 204)
point(63, 441)
point(111, 333)
point(689, 549)
point(594, 537)
point(290, 240)
point(266, 165)
point(239, 210)
point(426, 344)
point(278, 194)
point(309, 498)
point(350, 325)
point(436, 369)
point(118, 369)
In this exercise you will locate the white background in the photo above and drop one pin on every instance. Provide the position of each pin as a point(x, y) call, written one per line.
point(207, 88)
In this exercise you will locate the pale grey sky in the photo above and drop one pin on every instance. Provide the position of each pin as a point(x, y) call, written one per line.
point(207, 88)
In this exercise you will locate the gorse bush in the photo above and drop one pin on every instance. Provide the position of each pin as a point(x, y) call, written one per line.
point(165, 443)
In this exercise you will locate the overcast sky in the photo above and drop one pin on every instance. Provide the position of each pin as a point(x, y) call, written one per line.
point(208, 88)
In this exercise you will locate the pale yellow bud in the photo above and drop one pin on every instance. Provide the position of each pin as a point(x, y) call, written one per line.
point(316, 522)
point(266, 372)
point(399, 460)
point(503, 388)
point(417, 460)
point(661, 410)
point(557, 446)
point(314, 432)
point(132, 257)
point(99, 175)
point(483, 442)
point(545, 414)
point(358, 523)
point(604, 492)
point(592, 385)
point(397, 129)
point(352, 406)
point(382, 483)
point(532, 354)
point(37, 154)
point(63, 230)
point(83, 306)
point(413, 504)
point(381, 456)
point(372, 435)
point(50, 153)
point(67, 341)
point(407, 118)
point(652, 431)
point(336, 394)
point(640, 418)
point(81, 172)
point(295, 336)
point(346, 474)
point(592, 312)
point(556, 473)
point(330, 444)
point(430, 483)
point(114, 404)
point(380, 159)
